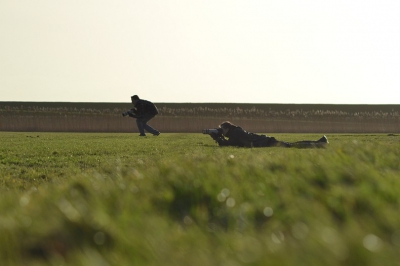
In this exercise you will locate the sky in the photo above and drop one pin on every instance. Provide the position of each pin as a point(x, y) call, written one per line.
point(222, 51)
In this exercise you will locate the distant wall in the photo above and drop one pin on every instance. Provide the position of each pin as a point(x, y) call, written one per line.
point(175, 117)
point(189, 124)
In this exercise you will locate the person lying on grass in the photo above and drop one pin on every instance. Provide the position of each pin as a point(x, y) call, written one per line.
point(232, 135)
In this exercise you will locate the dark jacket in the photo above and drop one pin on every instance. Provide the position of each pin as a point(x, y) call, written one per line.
point(241, 138)
point(145, 108)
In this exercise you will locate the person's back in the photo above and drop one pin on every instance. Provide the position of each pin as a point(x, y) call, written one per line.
point(242, 138)
point(145, 107)
point(238, 137)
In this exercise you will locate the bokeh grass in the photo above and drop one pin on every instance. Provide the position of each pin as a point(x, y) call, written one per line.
point(179, 199)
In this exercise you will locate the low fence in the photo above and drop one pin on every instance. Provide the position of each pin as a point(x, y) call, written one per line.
point(109, 123)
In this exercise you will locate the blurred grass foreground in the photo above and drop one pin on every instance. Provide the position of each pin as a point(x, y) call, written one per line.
point(178, 199)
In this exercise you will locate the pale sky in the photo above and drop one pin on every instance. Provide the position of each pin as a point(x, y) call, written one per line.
point(244, 51)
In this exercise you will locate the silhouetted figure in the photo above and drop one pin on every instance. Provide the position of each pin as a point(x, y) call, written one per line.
point(232, 135)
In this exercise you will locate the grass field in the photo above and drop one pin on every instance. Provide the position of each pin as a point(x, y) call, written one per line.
point(179, 199)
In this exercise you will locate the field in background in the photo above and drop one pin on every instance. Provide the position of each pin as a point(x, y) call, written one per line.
point(193, 117)
point(179, 199)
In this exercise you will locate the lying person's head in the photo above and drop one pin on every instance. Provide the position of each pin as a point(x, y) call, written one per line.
point(226, 127)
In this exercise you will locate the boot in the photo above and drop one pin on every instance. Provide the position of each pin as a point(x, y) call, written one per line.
point(321, 143)
point(324, 139)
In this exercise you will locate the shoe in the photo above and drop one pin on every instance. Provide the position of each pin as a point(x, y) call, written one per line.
point(157, 134)
point(324, 139)
point(142, 135)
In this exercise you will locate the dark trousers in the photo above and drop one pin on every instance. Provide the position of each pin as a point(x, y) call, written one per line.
point(272, 142)
point(142, 125)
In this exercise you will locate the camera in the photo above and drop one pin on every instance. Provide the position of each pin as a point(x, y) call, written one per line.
point(131, 113)
point(217, 131)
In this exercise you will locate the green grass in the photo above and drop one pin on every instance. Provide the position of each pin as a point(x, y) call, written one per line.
point(178, 199)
